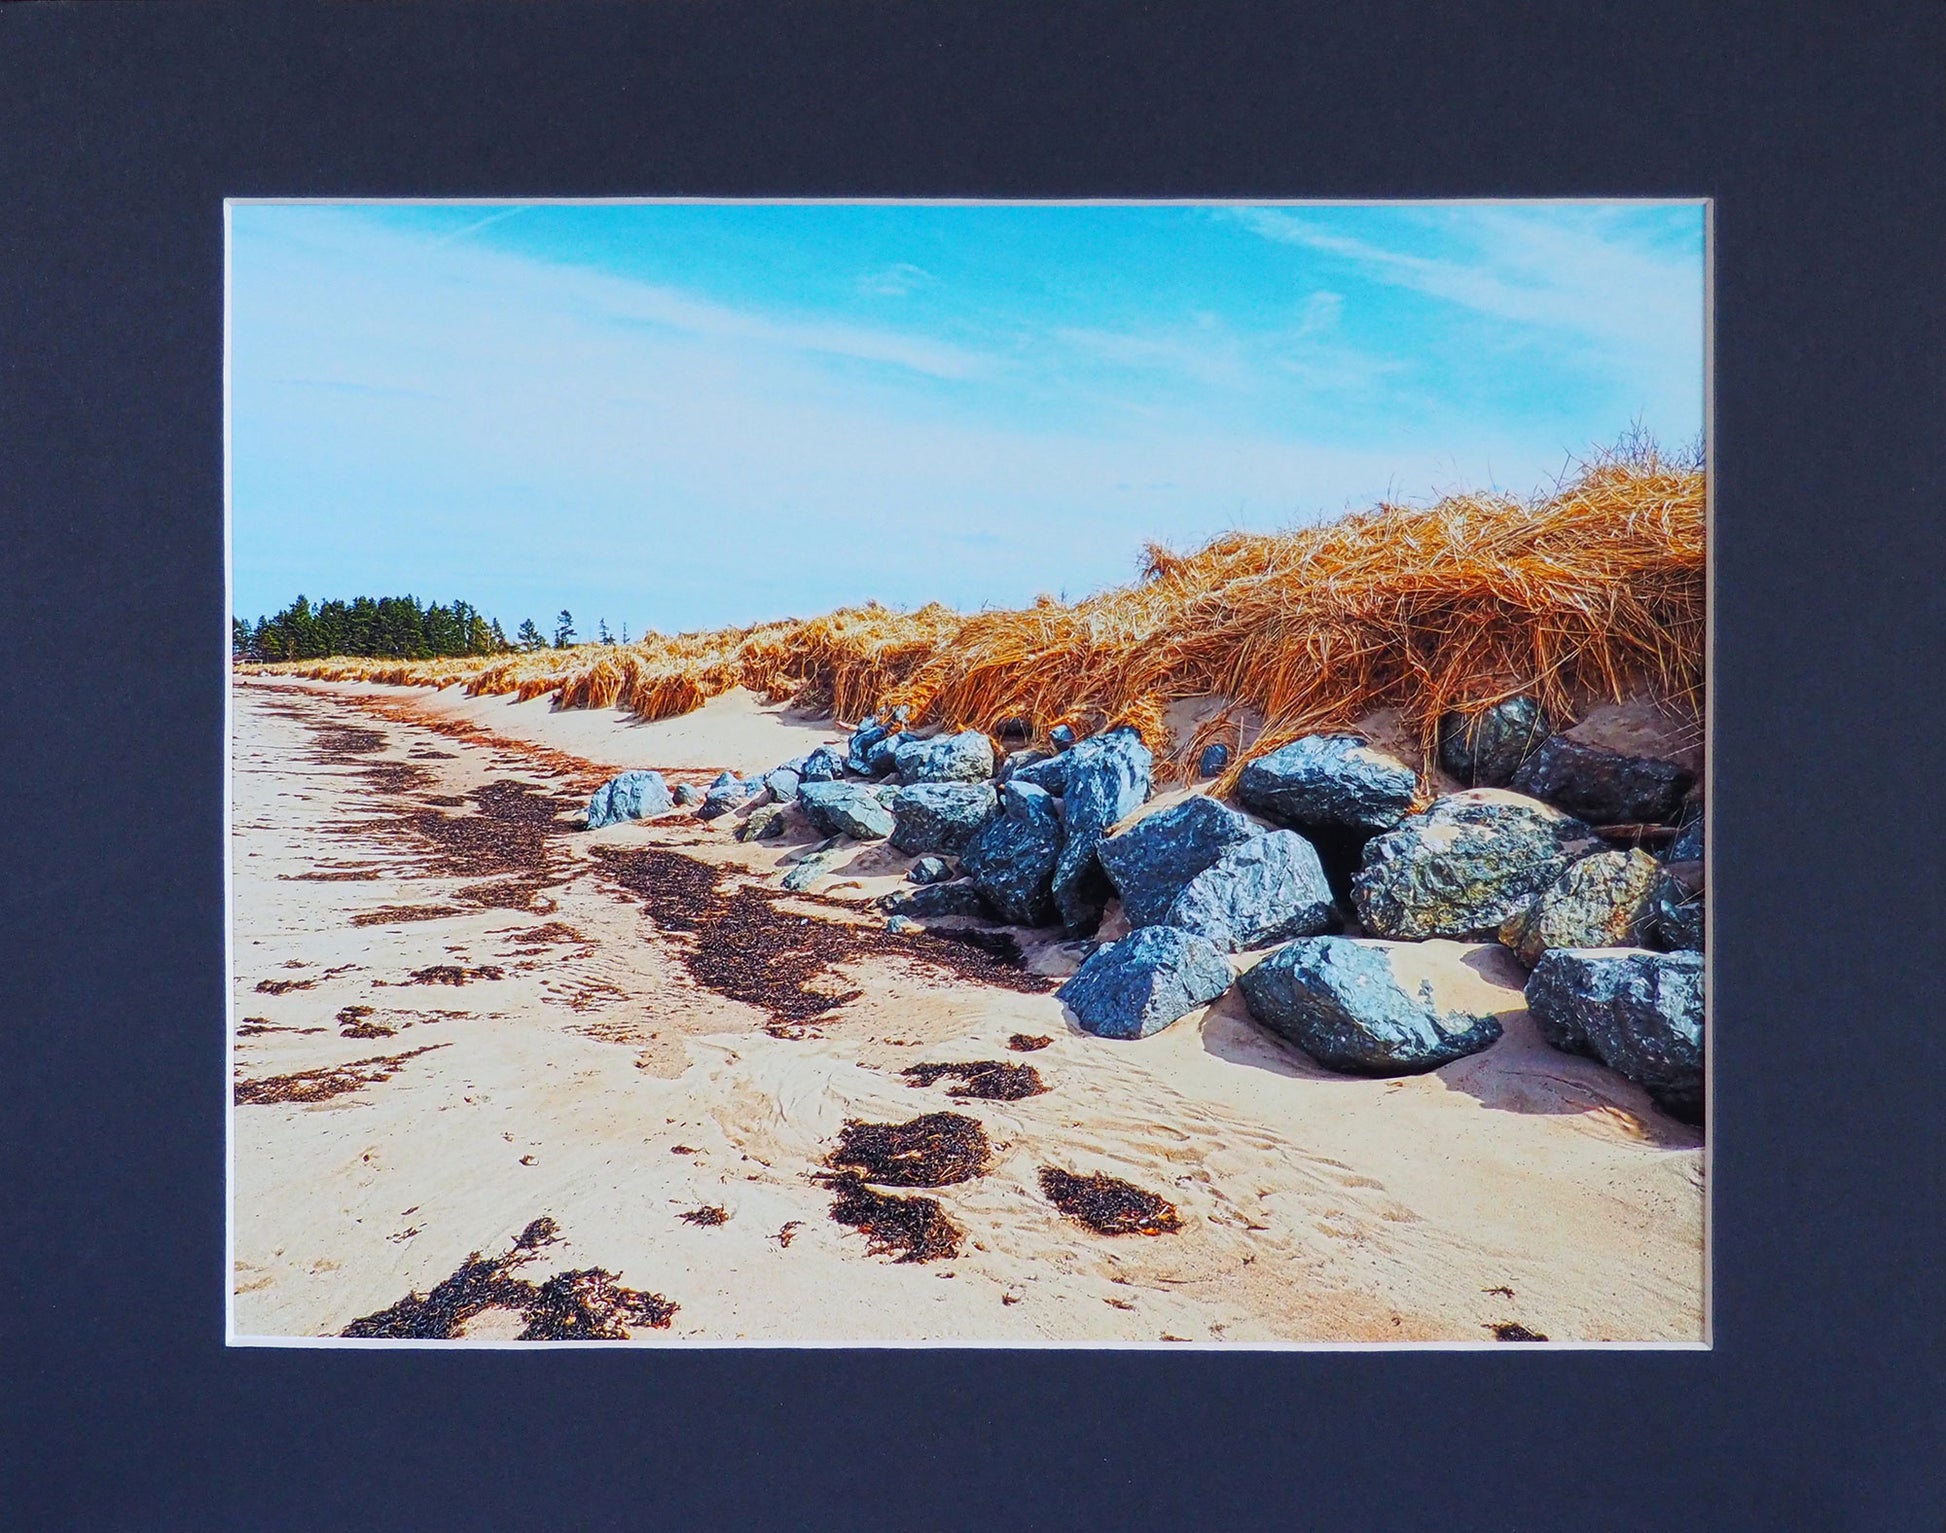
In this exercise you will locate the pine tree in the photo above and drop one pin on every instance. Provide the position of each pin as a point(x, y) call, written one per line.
point(601, 627)
point(564, 629)
point(530, 636)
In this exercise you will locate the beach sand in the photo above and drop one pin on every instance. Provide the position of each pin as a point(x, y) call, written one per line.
point(609, 1073)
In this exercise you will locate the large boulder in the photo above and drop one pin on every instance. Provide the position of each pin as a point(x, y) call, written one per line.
point(765, 824)
point(783, 783)
point(825, 764)
point(1108, 779)
point(1016, 761)
point(961, 897)
point(883, 757)
point(1048, 773)
point(1149, 861)
point(871, 733)
point(1640, 1013)
point(963, 757)
point(941, 816)
point(1602, 900)
point(1334, 781)
point(845, 809)
point(1138, 986)
point(1676, 907)
point(1485, 749)
point(630, 796)
point(1339, 1000)
point(1012, 860)
point(1603, 787)
point(726, 791)
point(1268, 889)
point(1461, 868)
point(687, 794)
point(816, 865)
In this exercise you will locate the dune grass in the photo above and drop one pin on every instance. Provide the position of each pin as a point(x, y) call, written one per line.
point(1592, 591)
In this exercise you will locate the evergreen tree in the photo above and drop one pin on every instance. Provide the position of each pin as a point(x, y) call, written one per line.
point(564, 629)
point(601, 627)
point(530, 637)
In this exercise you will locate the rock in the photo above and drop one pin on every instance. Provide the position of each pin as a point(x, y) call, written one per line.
point(1213, 760)
point(958, 898)
point(1600, 901)
point(825, 764)
point(1332, 781)
point(964, 757)
point(1268, 889)
point(810, 869)
point(932, 870)
point(869, 734)
point(1012, 860)
point(1150, 861)
point(941, 816)
point(765, 824)
point(1603, 787)
point(1138, 986)
point(1108, 778)
point(1473, 859)
point(1639, 1013)
point(630, 796)
point(1061, 736)
point(687, 793)
point(845, 809)
point(1050, 773)
point(1339, 1000)
point(1688, 844)
point(1676, 907)
point(1016, 760)
point(1487, 748)
point(881, 758)
point(782, 782)
point(725, 793)
point(900, 925)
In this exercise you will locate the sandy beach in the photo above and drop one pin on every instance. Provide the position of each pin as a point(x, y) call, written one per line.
point(455, 1014)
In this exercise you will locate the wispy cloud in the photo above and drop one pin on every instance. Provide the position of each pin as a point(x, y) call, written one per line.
point(896, 280)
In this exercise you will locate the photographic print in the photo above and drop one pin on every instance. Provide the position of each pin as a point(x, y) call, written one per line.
point(967, 773)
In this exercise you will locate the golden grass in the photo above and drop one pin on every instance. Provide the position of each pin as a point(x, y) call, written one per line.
point(1592, 592)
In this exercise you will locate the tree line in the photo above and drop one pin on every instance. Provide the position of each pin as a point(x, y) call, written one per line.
point(391, 628)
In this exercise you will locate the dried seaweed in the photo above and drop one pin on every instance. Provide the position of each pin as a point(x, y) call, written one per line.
point(933, 1150)
point(707, 1216)
point(321, 1085)
point(1027, 1043)
point(915, 1227)
point(1108, 1205)
point(988, 1080)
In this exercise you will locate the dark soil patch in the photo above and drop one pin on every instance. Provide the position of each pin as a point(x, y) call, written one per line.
point(989, 1080)
point(453, 974)
point(352, 1024)
point(283, 986)
point(707, 1215)
point(321, 1085)
point(916, 1228)
point(1512, 1330)
point(1108, 1205)
point(750, 950)
point(583, 1305)
point(934, 1150)
point(1027, 1043)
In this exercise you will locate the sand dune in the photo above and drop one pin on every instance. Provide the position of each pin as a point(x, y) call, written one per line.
point(588, 1069)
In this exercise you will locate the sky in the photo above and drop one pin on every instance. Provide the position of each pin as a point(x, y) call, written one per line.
point(682, 415)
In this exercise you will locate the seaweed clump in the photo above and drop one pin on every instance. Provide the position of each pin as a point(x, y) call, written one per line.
point(934, 1150)
point(1513, 1330)
point(322, 1085)
point(586, 1304)
point(1108, 1205)
point(989, 1080)
point(917, 1228)
point(1027, 1043)
point(707, 1215)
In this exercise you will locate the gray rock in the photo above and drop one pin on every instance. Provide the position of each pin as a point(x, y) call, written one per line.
point(1639, 1013)
point(963, 757)
point(825, 764)
point(725, 793)
point(882, 757)
point(867, 737)
point(630, 796)
point(1016, 760)
point(1213, 760)
point(958, 898)
point(1486, 749)
point(1332, 781)
point(845, 809)
point(1108, 779)
point(1339, 1000)
point(1268, 889)
point(1473, 859)
point(900, 925)
point(1150, 861)
point(810, 869)
point(687, 793)
point(1603, 787)
point(1138, 986)
point(1600, 901)
point(1050, 773)
point(1676, 907)
point(933, 870)
point(1061, 736)
point(782, 782)
point(1688, 844)
point(1012, 861)
point(941, 816)
point(765, 824)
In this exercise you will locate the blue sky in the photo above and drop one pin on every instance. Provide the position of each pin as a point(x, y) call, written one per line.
point(689, 415)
